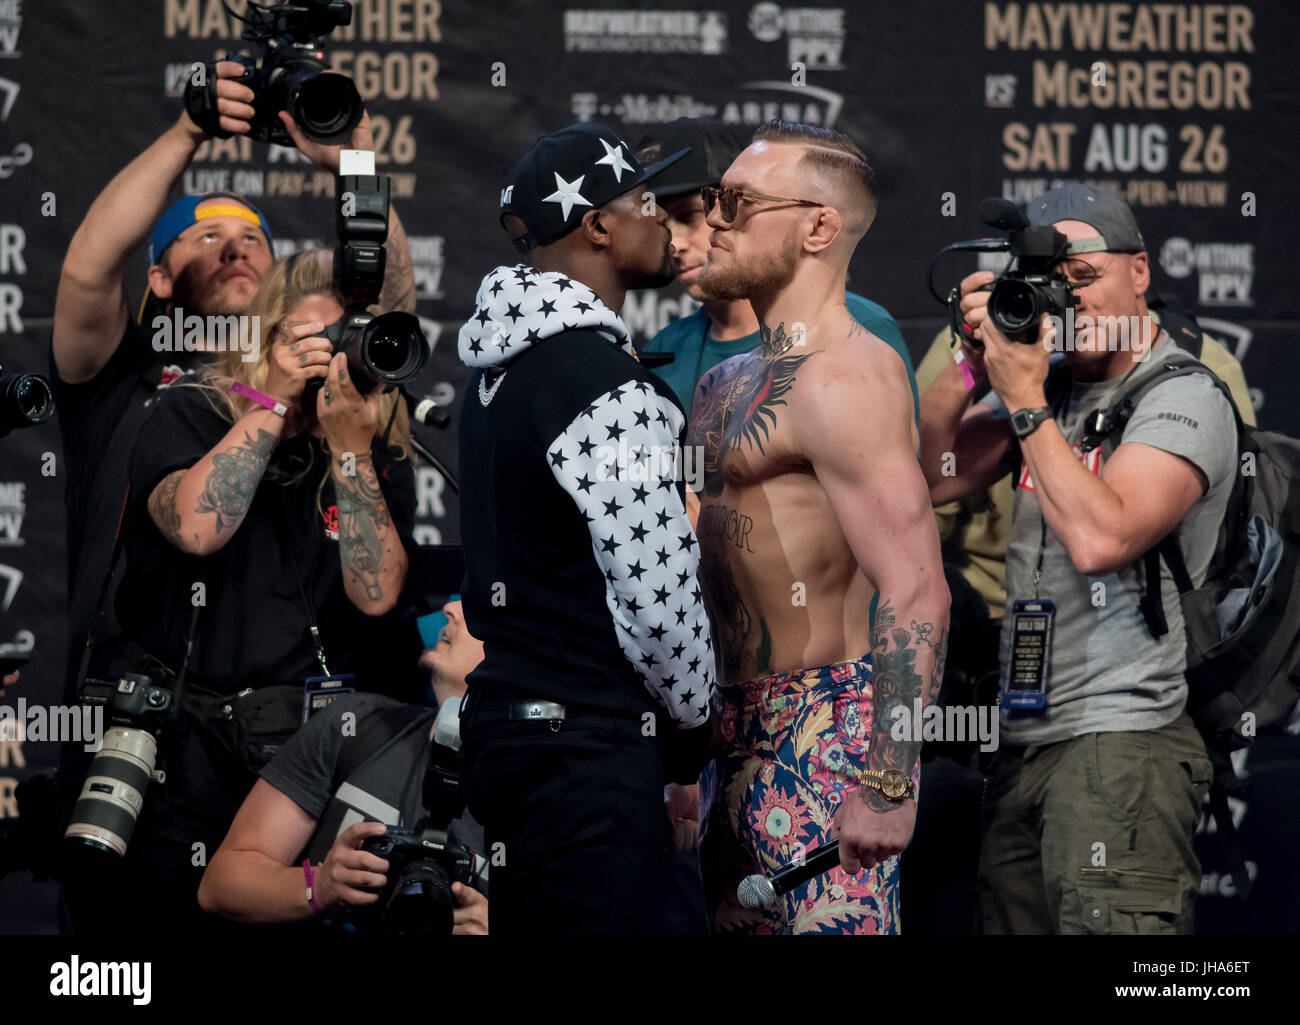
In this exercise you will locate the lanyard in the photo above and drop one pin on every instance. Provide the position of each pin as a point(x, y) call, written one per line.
point(302, 591)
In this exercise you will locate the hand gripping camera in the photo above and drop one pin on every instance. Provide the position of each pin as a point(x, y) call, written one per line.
point(291, 75)
point(424, 861)
point(1018, 298)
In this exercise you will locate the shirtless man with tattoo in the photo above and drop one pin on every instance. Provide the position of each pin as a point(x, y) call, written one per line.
point(813, 501)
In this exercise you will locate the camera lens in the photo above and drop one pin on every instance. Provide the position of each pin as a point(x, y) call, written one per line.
point(113, 794)
point(327, 107)
point(25, 400)
point(421, 904)
point(393, 348)
point(1013, 306)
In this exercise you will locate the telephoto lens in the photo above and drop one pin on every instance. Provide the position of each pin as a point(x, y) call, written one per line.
point(111, 798)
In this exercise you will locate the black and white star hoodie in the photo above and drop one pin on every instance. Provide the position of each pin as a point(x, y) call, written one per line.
point(580, 561)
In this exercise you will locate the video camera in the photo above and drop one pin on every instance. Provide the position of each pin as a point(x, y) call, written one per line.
point(292, 75)
point(1018, 299)
point(424, 861)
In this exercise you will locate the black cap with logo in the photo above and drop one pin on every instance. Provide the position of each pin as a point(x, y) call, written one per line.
point(566, 173)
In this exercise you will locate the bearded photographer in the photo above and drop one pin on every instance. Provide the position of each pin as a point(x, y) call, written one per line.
point(1110, 761)
point(269, 522)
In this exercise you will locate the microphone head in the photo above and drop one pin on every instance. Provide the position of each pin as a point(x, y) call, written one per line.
point(755, 892)
point(997, 212)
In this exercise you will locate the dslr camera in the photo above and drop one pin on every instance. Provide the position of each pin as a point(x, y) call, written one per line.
point(291, 76)
point(137, 708)
point(424, 861)
point(383, 351)
point(1032, 283)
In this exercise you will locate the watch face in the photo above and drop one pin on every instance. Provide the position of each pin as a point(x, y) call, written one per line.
point(893, 784)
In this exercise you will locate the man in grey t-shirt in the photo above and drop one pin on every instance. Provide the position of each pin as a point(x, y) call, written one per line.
point(1094, 797)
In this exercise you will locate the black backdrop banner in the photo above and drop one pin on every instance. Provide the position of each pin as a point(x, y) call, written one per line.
point(1188, 109)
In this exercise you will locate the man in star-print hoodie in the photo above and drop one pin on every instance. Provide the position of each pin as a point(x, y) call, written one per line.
point(597, 684)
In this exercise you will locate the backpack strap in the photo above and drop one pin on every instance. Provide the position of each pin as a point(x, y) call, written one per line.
point(1104, 427)
point(378, 730)
point(1178, 321)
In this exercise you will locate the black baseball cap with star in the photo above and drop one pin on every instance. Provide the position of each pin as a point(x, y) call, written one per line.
point(566, 173)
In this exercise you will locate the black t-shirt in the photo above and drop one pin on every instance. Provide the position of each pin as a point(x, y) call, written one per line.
point(254, 629)
point(387, 787)
point(95, 477)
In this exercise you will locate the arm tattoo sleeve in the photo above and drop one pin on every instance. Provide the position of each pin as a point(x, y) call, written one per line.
point(162, 508)
point(899, 657)
point(399, 273)
point(365, 528)
point(233, 480)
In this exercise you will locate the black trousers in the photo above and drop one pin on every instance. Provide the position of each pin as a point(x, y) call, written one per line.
point(574, 820)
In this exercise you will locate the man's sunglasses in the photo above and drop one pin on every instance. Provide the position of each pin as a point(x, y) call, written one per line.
point(729, 200)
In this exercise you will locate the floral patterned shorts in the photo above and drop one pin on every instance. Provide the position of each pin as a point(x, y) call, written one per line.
point(795, 744)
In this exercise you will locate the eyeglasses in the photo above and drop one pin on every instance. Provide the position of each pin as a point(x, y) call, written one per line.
point(729, 200)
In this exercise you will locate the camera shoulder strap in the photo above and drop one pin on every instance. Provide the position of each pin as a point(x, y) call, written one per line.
point(379, 729)
point(124, 433)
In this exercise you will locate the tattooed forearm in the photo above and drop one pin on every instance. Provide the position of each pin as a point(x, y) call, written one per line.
point(233, 480)
point(399, 273)
point(907, 664)
point(367, 538)
point(165, 514)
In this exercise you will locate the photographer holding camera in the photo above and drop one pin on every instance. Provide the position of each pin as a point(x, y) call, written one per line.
point(207, 255)
point(246, 481)
point(334, 787)
point(1095, 793)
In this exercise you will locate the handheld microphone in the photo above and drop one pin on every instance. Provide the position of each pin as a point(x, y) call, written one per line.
point(759, 891)
point(425, 410)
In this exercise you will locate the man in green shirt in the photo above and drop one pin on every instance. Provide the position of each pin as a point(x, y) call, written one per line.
point(721, 328)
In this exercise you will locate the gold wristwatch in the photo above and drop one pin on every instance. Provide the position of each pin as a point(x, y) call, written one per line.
point(890, 782)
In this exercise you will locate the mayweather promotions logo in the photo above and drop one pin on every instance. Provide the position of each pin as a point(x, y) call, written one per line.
point(702, 32)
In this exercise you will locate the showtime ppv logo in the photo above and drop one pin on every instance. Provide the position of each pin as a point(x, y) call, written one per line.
point(427, 263)
point(1226, 269)
point(13, 507)
point(590, 31)
point(11, 22)
point(815, 35)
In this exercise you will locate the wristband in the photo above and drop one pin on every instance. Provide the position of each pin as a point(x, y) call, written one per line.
point(967, 371)
point(261, 398)
point(312, 902)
